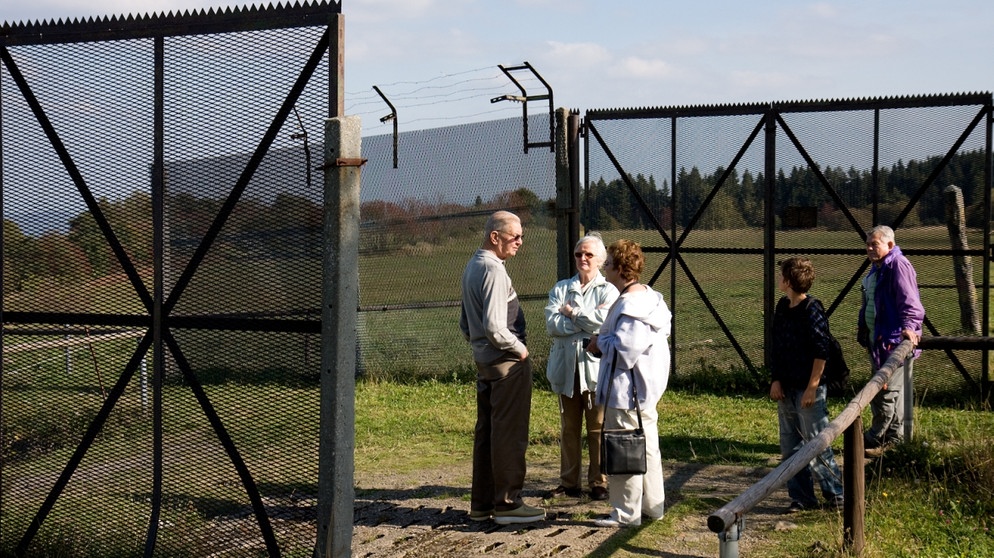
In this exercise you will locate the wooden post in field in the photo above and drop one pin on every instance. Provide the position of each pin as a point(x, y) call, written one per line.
point(340, 308)
point(962, 264)
point(854, 484)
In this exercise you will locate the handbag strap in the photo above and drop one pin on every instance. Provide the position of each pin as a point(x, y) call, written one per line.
point(635, 393)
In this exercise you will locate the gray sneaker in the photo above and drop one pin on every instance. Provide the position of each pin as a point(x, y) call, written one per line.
point(481, 515)
point(521, 514)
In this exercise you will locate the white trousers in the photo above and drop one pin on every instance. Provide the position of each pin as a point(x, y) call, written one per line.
point(633, 496)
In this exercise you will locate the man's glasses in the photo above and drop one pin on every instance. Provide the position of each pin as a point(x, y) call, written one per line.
point(513, 237)
point(583, 255)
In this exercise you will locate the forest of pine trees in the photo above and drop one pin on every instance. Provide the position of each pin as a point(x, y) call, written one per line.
point(739, 201)
point(277, 228)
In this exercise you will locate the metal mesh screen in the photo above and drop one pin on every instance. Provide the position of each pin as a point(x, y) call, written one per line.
point(888, 162)
point(910, 147)
point(218, 454)
point(722, 235)
point(421, 222)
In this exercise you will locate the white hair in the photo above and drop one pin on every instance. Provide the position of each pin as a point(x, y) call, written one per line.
point(885, 233)
point(600, 251)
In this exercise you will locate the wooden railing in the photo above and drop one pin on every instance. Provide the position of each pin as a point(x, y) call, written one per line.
point(728, 521)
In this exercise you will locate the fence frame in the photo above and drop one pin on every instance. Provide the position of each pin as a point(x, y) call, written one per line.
point(770, 120)
point(157, 321)
point(728, 522)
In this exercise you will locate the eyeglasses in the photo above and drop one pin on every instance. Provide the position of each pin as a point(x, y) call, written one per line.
point(513, 237)
point(583, 255)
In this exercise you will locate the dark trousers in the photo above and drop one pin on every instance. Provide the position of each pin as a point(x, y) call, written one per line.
point(503, 408)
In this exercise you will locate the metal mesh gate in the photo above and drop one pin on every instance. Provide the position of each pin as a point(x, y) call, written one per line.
point(718, 194)
point(162, 283)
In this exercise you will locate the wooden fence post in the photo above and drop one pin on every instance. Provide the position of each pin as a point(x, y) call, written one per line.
point(962, 264)
point(854, 484)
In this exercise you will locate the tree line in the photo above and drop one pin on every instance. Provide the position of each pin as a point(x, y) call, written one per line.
point(290, 225)
point(740, 200)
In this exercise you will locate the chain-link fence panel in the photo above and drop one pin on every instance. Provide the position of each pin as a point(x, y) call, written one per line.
point(723, 193)
point(421, 222)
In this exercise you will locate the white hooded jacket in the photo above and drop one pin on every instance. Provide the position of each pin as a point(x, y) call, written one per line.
point(635, 337)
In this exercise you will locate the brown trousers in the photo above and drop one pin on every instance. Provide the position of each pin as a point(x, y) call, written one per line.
point(574, 410)
point(503, 409)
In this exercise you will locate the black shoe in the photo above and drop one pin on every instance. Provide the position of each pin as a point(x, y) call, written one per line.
point(598, 493)
point(563, 491)
point(837, 503)
point(794, 507)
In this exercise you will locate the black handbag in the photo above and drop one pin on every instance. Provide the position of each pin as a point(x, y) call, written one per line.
point(623, 451)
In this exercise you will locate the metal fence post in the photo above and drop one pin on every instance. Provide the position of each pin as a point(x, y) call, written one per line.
point(909, 398)
point(728, 541)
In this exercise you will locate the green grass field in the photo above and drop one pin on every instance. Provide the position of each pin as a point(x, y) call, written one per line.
point(263, 387)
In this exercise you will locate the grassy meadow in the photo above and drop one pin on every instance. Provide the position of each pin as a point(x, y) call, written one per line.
point(415, 401)
point(401, 344)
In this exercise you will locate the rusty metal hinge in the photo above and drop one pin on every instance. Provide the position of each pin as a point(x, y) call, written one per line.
point(344, 162)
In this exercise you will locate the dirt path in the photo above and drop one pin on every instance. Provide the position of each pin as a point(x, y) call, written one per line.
point(425, 515)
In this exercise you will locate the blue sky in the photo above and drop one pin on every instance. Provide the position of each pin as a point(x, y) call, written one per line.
point(437, 59)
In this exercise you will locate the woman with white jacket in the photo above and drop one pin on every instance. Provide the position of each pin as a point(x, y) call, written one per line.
point(576, 309)
point(634, 344)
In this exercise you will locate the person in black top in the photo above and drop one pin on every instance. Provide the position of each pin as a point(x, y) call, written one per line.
point(800, 349)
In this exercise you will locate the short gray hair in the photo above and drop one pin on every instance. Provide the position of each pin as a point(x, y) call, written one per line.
point(600, 251)
point(498, 221)
point(883, 231)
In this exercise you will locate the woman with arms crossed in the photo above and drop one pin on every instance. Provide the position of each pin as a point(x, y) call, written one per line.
point(576, 309)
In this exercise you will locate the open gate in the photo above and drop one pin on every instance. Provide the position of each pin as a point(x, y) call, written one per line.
point(162, 281)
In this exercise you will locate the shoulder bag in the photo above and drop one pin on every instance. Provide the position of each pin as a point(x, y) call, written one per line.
point(623, 451)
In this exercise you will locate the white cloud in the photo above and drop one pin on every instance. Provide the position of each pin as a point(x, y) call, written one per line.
point(824, 10)
point(764, 81)
point(387, 11)
point(588, 53)
point(642, 68)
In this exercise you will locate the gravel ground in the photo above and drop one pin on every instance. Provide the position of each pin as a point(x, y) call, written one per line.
point(426, 515)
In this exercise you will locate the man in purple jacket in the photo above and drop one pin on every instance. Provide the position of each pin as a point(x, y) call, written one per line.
point(891, 312)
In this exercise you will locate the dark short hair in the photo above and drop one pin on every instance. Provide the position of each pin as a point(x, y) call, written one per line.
point(626, 257)
point(799, 273)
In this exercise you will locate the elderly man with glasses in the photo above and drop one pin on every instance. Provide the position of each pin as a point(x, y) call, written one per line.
point(494, 324)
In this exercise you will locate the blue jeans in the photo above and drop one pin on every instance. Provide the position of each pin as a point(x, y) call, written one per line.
point(797, 426)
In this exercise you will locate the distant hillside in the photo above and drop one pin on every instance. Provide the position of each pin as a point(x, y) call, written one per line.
point(454, 165)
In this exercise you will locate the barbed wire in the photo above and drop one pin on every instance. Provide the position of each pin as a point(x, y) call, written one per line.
point(457, 100)
point(429, 80)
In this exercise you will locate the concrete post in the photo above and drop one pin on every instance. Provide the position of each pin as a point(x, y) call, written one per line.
point(340, 307)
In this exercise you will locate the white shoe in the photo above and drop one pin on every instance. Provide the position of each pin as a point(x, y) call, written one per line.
point(607, 522)
point(612, 521)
